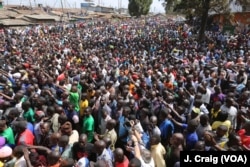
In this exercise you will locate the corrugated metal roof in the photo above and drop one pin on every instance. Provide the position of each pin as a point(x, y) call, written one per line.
point(58, 13)
point(82, 17)
point(43, 17)
point(18, 15)
point(32, 11)
point(14, 22)
point(71, 10)
point(4, 14)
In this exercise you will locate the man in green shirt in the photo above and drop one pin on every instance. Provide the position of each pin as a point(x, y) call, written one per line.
point(74, 98)
point(88, 124)
point(28, 112)
point(7, 133)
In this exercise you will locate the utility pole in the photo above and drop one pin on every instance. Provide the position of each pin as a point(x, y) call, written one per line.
point(62, 11)
point(35, 3)
point(30, 5)
point(62, 5)
point(119, 4)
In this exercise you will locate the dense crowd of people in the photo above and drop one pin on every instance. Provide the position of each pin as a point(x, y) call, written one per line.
point(130, 93)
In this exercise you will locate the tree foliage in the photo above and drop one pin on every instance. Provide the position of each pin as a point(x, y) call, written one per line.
point(244, 3)
point(196, 7)
point(170, 4)
point(139, 7)
point(201, 9)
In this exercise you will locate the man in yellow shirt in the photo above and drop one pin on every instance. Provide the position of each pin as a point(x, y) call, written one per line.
point(84, 103)
point(158, 151)
point(222, 120)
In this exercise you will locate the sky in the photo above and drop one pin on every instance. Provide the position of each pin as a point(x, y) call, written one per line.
point(156, 6)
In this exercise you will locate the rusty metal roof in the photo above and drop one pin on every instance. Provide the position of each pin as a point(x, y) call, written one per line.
point(43, 17)
point(14, 22)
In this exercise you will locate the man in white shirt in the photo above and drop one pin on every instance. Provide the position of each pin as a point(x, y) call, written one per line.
point(20, 160)
point(231, 110)
point(205, 93)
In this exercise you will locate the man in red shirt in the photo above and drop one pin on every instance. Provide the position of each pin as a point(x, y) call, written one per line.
point(245, 135)
point(24, 136)
point(120, 159)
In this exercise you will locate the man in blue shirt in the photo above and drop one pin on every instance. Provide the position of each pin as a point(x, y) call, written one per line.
point(191, 135)
point(123, 130)
point(166, 127)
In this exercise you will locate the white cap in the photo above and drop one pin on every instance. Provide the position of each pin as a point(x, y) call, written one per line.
point(83, 162)
point(16, 75)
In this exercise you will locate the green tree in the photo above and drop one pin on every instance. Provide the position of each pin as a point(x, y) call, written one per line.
point(245, 4)
point(139, 7)
point(201, 9)
point(169, 4)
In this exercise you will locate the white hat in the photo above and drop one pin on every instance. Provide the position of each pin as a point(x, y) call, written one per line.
point(16, 75)
point(5, 152)
point(83, 162)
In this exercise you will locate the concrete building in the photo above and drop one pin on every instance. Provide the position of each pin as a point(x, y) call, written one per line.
point(87, 4)
point(122, 10)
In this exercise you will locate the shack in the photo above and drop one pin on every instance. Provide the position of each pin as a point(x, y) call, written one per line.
point(42, 19)
point(14, 23)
